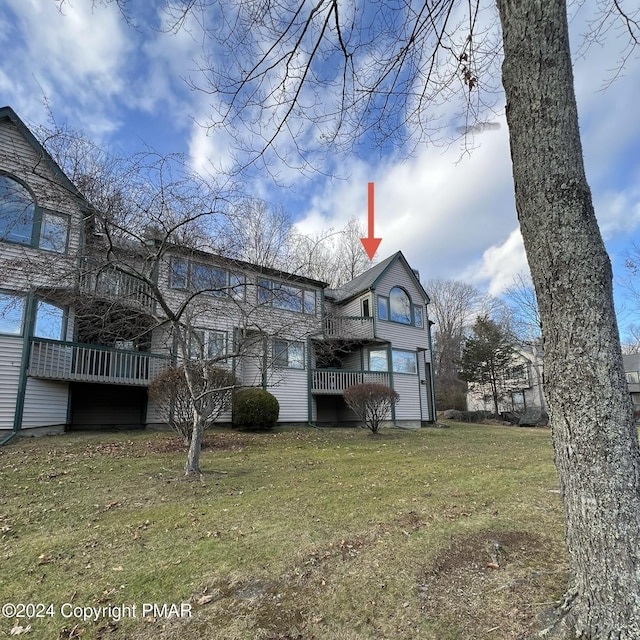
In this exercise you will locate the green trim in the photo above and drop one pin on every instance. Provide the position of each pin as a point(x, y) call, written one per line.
point(265, 361)
point(391, 380)
point(7, 113)
point(309, 383)
point(29, 322)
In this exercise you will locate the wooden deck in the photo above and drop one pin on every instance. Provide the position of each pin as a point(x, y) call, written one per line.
point(89, 363)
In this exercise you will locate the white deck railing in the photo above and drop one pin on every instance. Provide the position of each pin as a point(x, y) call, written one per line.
point(329, 381)
point(349, 327)
point(86, 363)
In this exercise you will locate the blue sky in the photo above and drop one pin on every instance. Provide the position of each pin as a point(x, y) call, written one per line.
point(452, 216)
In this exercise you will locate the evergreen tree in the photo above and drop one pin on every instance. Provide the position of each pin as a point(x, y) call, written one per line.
point(486, 355)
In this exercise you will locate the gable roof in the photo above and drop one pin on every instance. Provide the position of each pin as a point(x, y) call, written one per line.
point(7, 113)
point(368, 280)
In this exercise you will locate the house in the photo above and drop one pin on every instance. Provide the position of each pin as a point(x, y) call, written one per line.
point(82, 336)
point(519, 386)
point(632, 374)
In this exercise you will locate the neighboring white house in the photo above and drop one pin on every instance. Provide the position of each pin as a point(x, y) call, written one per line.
point(69, 360)
point(632, 373)
point(520, 385)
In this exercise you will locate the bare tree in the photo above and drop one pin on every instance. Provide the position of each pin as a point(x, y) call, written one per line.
point(143, 279)
point(334, 256)
point(258, 233)
point(385, 66)
point(453, 307)
point(520, 297)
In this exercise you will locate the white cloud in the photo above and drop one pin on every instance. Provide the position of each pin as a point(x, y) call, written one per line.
point(76, 58)
point(619, 212)
point(499, 265)
point(440, 212)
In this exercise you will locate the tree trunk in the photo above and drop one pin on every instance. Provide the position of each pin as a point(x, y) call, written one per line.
point(192, 466)
point(595, 439)
point(494, 392)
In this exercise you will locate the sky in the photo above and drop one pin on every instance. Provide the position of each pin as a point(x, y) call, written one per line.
point(452, 214)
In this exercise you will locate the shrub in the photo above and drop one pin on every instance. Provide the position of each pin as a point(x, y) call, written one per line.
point(371, 402)
point(212, 393)
point(255, 408)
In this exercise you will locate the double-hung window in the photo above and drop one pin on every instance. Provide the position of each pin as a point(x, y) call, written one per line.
point(288, 354)
point(207, 344)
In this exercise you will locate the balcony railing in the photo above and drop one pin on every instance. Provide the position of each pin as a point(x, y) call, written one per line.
point(349, 327)
point(107, 281)
point(330, 381)
point(87, 363)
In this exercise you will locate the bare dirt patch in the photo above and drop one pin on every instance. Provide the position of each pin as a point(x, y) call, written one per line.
point(492, 584)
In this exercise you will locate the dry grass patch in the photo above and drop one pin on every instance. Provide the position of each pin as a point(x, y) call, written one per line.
point(323, 535)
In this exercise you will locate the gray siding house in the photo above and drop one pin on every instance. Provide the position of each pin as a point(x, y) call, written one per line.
point(632, 373)
point(81, 338)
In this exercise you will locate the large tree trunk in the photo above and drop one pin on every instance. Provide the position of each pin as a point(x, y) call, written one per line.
point(595, 440)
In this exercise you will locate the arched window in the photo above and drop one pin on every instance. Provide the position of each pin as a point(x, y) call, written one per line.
point(17, 211)
point(399, 306)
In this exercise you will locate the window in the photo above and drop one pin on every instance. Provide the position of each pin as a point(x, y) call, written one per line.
point(17, 211)
point(287, 297)
point(264, 291)
point(404, 361)
point(310, 302)
point(54, 232)
point(288, 354)
point(378, 360)
point(417, 315)
point(49, 321)
point(207, 344)
point(633, 377)
point(400, 306)
point(21, 221)
point(383, 308)
point(211, 280)
point(11, 313)
point(178, 273)
point(365, 308)
point(517, 400)
point(237, 286)
point(216, 345)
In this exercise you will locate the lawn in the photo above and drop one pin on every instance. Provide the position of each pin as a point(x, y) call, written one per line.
point(292, 535)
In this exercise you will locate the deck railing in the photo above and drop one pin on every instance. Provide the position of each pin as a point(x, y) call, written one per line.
point(112, 283)
point(330, 381)
point(88, 363)
point(349, 327)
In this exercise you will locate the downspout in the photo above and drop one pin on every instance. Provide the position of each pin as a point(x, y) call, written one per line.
point(265, 361)
point(309, 382)
point(24, 366)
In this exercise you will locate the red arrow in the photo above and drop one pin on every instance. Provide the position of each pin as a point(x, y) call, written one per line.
point(370, 243)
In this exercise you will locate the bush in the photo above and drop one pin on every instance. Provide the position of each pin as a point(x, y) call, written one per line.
point(255, 409)
point(371, 402)
point(212, 394)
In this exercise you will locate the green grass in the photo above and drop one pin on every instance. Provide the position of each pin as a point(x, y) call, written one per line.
point(291, 535)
